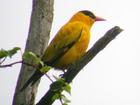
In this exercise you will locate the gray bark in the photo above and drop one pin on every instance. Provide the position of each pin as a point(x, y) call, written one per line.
point(38, 36)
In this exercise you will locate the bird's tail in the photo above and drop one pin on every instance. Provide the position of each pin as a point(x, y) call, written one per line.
point(33, 79)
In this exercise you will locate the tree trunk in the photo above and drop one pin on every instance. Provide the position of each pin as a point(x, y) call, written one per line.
point(40, 26)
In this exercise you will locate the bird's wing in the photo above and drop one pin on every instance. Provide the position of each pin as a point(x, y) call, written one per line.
point(62, 42)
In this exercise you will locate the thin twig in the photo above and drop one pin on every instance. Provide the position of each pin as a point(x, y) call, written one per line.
point(2, 60)
point(11, 64)
point(17, 62)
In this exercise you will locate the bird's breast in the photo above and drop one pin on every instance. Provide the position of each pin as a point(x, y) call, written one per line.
point(77, 50)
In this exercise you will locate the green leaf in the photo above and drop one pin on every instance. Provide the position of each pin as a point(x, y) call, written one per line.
point(58, 85)
point(56, 96)
point(28, 55)
point(67, 88)
point(61, 84)
point(64, 104)
point(3, 53)
point(45, 69)
point(32, 58)
point(13, 51)
point(8, 53)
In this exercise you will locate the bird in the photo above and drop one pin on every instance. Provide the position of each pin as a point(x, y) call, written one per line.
point(69, 44)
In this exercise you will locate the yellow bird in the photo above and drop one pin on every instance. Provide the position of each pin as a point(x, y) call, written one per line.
point(69, 44)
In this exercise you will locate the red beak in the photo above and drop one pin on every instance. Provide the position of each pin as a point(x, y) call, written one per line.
point(99, 19)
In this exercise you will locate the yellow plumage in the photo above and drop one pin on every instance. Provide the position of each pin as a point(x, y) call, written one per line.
point(69, 44)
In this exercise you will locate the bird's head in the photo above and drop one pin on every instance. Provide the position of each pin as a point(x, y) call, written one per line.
point(87, 17)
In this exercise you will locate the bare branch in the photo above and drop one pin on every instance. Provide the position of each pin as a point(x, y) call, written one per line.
point(11, 64)
point(17, 62)
point(74, 69)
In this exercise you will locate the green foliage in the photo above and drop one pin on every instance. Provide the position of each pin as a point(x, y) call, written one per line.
point(59, 86)
point(32, 58)
point(3, 53)
point(64, 104)
point(8, 53)
point(62, 97)
point(56, 96)
point(60, 83)
point(45, 69)
point(67, 88)
point(56, 86)
point(13, 51)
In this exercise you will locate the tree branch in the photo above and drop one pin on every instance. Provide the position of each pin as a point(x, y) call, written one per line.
point(10, 64)
point(17, 62)
point(38, 37)
point(75, 68)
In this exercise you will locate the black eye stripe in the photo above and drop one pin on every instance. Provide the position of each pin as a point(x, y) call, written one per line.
point(88, 13)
